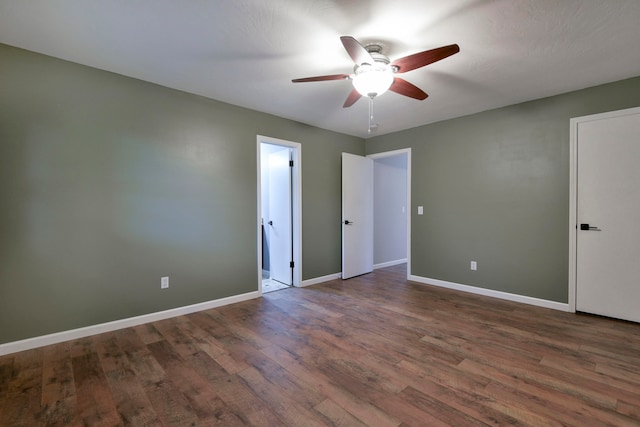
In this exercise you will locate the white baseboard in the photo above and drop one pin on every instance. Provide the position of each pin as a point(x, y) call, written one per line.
point(41, 341)
point(322, 279)
point(491, 293)
point(390, 263)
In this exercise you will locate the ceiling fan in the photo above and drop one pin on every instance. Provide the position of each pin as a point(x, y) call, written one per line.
point(374, 73)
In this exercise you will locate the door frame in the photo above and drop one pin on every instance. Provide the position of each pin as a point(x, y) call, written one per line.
point(407, 152)
point(296, 205)
point(573, 192)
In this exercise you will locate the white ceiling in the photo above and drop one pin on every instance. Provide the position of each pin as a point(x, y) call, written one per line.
point(245, 52)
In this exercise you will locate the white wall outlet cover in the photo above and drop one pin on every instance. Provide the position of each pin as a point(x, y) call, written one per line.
point(474, 265)
point(164, 282)
point(420, 210)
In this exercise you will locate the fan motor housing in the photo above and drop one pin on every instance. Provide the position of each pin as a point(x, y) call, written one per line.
point(375, 50)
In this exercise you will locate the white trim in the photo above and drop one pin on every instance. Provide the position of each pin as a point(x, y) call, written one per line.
point(573, 210)
point(322, 279)
point(573, 192)
point(389, 153)
point(58, 337)
point(406, 151)
point(389, 263)
point(296, 203)
point(607, 115)
point(491, 293)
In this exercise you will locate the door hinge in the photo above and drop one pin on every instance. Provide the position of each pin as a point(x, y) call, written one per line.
point(291, 264)
point(290, 163)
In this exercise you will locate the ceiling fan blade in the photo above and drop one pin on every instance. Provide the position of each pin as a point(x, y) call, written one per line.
point(356, 51)
point(427, 57)
point(352, 98)
point(405, 88)
point(322, 78)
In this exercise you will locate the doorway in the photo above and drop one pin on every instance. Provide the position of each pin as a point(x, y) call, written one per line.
point(279, 213)
point(391, 195)
point(385, 232)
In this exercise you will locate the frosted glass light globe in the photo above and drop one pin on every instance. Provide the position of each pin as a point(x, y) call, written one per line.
point(373, 80)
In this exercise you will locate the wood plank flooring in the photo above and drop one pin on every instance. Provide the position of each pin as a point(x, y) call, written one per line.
point(374, 350)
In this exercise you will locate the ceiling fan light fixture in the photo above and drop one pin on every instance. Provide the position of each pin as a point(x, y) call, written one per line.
point(373, 80)
point(373, 73)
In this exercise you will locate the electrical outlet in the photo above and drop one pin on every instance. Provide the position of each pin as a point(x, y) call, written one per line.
point(164, 282)
point(474, 265)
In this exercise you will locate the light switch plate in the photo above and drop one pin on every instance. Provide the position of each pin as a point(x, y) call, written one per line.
point(420, 210)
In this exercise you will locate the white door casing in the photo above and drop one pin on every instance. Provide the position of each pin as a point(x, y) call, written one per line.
point(296, 148)
point(607, 191)
point(357, 215)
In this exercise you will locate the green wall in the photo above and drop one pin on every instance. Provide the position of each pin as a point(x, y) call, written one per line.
point(495, 189)
point(108, 183)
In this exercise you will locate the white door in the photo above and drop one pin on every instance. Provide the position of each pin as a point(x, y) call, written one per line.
point(357, 215)
point(608, 211)
point(279, 221)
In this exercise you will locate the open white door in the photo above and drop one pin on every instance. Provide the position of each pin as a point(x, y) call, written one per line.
point(279, 221)
point(608, 208)
point(357, 215)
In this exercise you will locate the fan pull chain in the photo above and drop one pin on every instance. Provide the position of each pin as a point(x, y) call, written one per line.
point(372, 125)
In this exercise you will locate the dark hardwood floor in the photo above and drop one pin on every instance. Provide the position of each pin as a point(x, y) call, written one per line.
point(374, 350)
